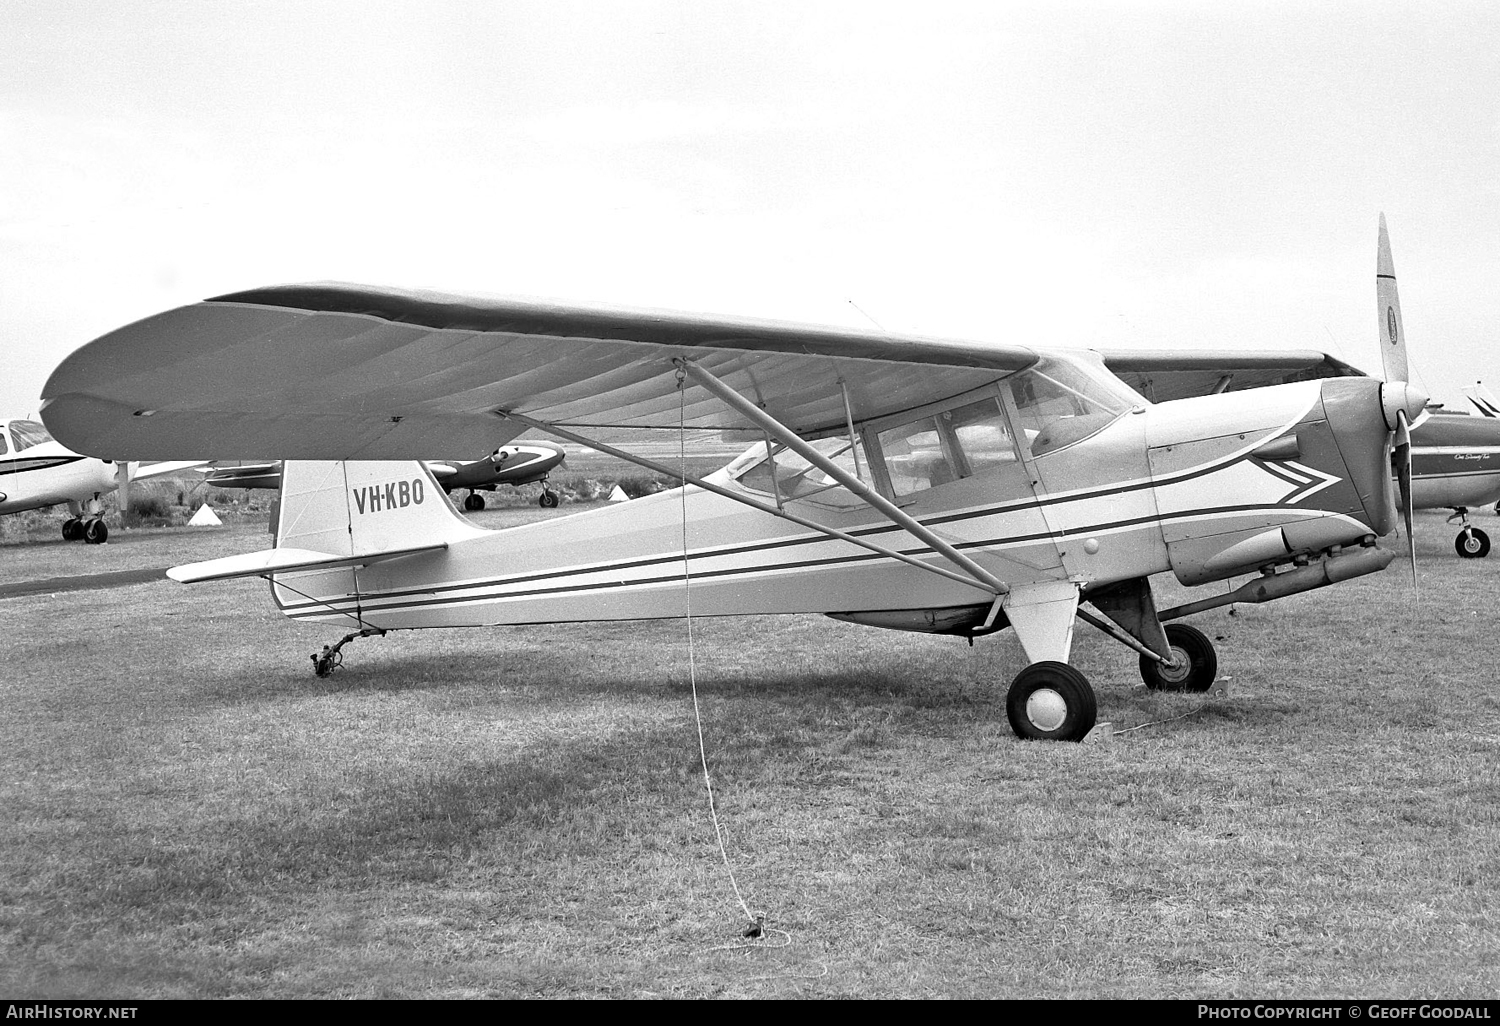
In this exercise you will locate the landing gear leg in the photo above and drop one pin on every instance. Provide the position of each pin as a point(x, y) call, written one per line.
point(1471, 543)
point(549, 497)
point(1193, 666)
point(330, 659)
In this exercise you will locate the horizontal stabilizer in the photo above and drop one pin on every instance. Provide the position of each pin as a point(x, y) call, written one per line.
point(283, 561)
point(170, 467)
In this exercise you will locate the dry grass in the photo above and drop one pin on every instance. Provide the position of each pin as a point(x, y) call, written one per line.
point(520, 813)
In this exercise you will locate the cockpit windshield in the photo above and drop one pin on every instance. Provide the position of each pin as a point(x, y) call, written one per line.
point(26, 433)
point(1059, 403)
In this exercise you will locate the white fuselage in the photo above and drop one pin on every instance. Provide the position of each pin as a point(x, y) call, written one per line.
point(1166, 487)
point(48, 474)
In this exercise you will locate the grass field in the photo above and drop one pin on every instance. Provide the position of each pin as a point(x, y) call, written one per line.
point(189, 812)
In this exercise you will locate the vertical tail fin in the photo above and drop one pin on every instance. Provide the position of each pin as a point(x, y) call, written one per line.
point(358, 508)
point(1483, 400)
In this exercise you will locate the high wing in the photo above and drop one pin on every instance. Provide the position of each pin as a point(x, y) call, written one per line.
point(1163, 375)
point(332, 371)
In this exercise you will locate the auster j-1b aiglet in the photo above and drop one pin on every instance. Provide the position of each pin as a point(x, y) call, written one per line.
point(904, 482)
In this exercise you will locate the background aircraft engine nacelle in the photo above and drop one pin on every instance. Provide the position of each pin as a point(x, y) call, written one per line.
point(1325, 482)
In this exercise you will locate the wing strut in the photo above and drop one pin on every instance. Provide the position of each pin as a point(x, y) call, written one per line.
point(709, 486)
point(891, 511)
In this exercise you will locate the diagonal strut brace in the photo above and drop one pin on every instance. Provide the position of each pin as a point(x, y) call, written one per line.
point(892, 512)
point(709, 486)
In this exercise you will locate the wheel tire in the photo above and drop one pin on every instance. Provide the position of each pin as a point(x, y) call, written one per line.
point(72, 529)
point(548, 500)
point(1472, 543)
point(1200, 663)
point(474, 503)
point(1051, 701)
point(95, 532)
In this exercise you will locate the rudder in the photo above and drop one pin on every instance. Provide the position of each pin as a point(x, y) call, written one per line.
point(357, 507)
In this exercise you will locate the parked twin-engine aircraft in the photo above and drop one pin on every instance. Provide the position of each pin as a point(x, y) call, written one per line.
point(520, 463)
point(949, 487)
point(36, 472)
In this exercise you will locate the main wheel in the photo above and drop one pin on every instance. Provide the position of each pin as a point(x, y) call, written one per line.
point(1196, 663)
point(1051, 701)
point(474, 503)
point(1472, 543)
point(95, 532)
point(548, 500)
point(72, 529)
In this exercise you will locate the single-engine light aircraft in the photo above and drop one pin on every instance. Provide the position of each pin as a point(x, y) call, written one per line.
point(516, 464)
point(1455, 459)
point(36, 472)
point(907, 482)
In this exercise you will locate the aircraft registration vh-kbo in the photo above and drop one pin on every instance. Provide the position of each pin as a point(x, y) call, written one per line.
point(520, 463)
point(907, 482)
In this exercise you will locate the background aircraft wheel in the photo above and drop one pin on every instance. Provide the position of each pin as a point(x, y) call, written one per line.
point(1472, 543)
point(72, 529)
point(474, 503)
point(548, 500)
point(1051, 701)
point(95, 532)
point(1199, 664)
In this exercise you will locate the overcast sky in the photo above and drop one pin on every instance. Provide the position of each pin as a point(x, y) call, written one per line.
point(1084, 174)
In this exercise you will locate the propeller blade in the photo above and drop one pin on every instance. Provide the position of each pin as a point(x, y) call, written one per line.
point(1388, 306)
point(1402, 458)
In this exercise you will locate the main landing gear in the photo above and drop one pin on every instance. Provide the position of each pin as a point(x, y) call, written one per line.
point(548, 499)
point(1194, 662)
point(474, 502)
point(90, 529)
point(1471, 543)
point(1050, 700)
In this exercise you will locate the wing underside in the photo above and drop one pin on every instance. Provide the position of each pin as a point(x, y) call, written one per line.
point(1164, 375)
point(346, 372)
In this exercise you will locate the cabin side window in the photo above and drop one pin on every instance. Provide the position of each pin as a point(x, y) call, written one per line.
point(795, 478)
point(27, 433)
point(947, 446)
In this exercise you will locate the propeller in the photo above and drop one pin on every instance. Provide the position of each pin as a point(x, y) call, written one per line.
point(1398, 398)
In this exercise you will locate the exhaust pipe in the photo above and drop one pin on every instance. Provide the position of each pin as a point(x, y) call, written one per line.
point(1368, 560)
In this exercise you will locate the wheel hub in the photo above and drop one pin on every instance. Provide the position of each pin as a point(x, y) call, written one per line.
point(1046, 709)
point(1176, 671)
